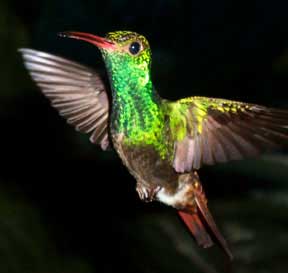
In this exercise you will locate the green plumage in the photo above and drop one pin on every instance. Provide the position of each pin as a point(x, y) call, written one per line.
point(137, 111)
point(161, 142)
point(146, 119)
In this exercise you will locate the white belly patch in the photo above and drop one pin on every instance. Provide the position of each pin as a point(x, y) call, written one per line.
point(172, 200)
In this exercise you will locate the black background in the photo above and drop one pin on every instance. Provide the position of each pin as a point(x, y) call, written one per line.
point(67, 206)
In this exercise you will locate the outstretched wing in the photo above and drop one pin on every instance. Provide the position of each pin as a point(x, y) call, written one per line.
point(76, 91)
point(208, 131)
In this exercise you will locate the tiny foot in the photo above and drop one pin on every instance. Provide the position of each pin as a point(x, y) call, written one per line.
point(147, 194)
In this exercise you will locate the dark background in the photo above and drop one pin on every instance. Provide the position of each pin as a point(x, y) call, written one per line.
point(67, 206)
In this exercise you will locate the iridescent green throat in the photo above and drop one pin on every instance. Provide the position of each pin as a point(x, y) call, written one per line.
point(137, 109)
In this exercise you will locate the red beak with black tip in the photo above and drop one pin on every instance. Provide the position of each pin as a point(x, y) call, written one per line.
point(90, 38)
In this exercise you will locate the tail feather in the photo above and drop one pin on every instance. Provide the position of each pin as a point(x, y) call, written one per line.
point(212, 226)
point(195, 226)
point(203, 227)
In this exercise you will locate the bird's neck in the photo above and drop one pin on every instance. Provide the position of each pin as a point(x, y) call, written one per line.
point(136, 109)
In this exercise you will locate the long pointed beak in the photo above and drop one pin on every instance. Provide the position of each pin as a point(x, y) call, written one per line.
point(90, 38)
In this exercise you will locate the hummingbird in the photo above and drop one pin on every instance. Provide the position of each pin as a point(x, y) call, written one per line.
point(162, 143)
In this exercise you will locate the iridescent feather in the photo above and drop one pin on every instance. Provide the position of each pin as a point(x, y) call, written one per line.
point(161, 142)
point(209, 131)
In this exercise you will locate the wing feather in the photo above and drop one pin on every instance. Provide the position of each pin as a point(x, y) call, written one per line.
point(206, 150)
point(223, 130)
point(77, 92)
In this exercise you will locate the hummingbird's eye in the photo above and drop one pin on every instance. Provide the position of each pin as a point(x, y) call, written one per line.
point(134, 48)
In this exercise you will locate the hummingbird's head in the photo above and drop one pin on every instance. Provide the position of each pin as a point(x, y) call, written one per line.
point(129, 43)
point(126, 54)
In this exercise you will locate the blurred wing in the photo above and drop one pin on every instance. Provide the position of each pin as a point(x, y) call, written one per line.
point(208, 131)
point(76, 91)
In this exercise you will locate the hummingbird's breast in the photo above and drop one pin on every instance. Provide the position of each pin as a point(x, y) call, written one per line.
point(145, 164)
point(139, 135)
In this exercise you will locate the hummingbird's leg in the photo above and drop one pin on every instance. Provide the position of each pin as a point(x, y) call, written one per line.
point(147, 194)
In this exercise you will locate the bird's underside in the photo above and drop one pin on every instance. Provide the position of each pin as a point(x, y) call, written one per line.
point(201, 131)
point(190, 201)
point(157, 180)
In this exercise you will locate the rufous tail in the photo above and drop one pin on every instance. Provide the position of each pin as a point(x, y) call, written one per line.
point(200, 222)
point(195, 226)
